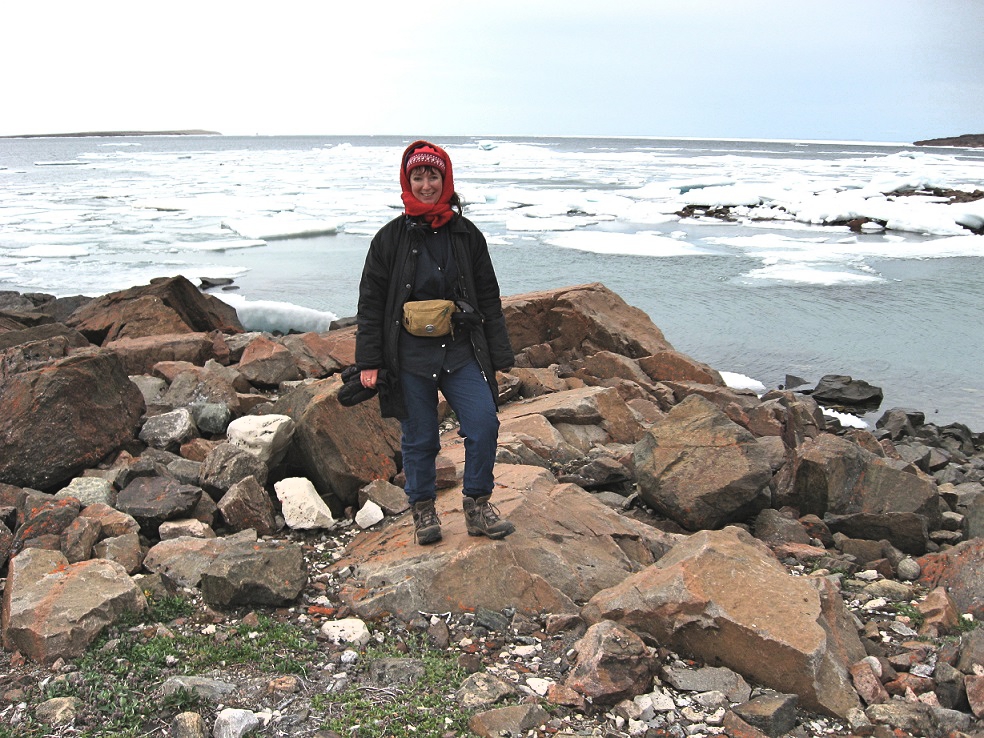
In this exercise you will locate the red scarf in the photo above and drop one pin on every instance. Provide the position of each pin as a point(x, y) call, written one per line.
point(440, 212)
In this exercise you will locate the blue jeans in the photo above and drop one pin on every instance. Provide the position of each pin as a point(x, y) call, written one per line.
point(470, 396)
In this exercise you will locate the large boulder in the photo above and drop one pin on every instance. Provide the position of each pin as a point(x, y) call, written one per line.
point(863, 495)
point(340, 448)
point(54, 609)
point(66, 417)
point(567, 546)
point(166, 305)
point(572, 323)
point(722, 597)
point(700, 469)
point(838, 390)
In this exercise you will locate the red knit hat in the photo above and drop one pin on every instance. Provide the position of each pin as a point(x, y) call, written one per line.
point(425, 156)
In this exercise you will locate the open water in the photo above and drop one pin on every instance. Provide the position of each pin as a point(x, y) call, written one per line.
point(94, 215)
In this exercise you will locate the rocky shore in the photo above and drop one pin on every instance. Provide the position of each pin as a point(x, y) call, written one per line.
point(689, 559)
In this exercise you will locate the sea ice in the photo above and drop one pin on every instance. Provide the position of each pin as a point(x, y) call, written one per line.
point(270, 315)
point(280, 226)
point(644, 243)
point(740, 382)
point(45, 251)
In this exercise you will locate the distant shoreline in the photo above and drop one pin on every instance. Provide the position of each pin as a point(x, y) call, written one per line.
point(117, 134)
point(970, 140)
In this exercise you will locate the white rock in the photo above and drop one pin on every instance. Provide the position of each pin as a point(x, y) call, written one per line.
point(539, 685)
point(232, 723)
point(662, 701)
point(302, 506)
point(369, 515)
point(347, 630)
point(265, 436)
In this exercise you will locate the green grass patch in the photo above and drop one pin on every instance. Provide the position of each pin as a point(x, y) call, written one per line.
point(119, 678)
point(425, 708)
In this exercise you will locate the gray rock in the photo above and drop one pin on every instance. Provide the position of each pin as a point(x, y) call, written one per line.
point(481, 690)
point(89, 490)
point(265, 573)
point(228, 464)
point(211, 690)
point(169, 430)
point(502, 721)
point(211, 417)
point(185, 560)
point(707, 679)
point(152, 500)
point(773, 714)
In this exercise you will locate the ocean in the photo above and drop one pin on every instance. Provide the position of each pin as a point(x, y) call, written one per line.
point(778, 290)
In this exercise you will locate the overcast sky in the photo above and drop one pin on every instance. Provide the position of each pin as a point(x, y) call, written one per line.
point(872, 70)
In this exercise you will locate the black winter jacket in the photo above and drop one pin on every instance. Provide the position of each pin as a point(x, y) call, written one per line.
point(387, 279)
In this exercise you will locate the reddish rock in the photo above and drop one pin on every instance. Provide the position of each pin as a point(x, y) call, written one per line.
point(43, 515)
point(33, 348)
point(166, 305)
point(860, 494)
point(673, 366)
point(575, 322)
point(904, 682)
point(267, 363)
point(612, 664)
point(960, 570)
point(939, 612)
point(567, 546)
point(975, 694)
point(722, 597)
point(318, 355)
point(700, 469)
point(53, 609)
point(198, 449)
point(139, 355)
point(248, 505)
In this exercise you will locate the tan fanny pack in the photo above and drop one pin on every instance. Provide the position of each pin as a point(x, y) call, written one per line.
point(428, 317)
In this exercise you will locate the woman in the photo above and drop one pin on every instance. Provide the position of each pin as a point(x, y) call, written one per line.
point(432, 252)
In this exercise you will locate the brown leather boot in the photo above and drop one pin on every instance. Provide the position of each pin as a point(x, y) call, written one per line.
point(482, 518)
point(426, 524)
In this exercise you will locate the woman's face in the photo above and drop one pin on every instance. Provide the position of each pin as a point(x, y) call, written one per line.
point(426, 184)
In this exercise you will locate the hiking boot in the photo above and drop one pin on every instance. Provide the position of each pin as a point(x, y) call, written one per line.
point(426, 524)
point(482, 518)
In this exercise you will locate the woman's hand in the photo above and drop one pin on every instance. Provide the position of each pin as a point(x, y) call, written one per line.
point(369, 377)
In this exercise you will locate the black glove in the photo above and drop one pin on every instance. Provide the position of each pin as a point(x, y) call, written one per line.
point(352, 391)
